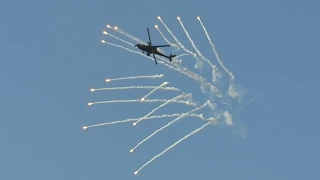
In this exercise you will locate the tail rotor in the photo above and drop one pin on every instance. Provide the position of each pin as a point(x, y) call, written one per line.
point(171, 56)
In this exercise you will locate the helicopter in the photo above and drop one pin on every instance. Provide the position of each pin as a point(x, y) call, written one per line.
point(150, 49)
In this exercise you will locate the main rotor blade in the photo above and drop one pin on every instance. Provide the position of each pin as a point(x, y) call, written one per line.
point(149, 36)
point(162, 46)
point(155, 60)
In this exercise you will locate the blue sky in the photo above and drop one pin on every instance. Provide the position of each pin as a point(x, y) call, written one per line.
point(52, 55)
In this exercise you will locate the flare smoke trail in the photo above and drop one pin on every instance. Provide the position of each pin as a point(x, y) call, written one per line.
point(146, 118)
point(211, 89)
point(214, 50)
point(142, 101)
point(126, 34)
point(214, 69)
point(167, 41)
point(174, 144)
point(163, 84)
point(179, 43)
point(136, 87)
point(136, 77)
point(105, 32)
point(162, 105)
point(167, 125)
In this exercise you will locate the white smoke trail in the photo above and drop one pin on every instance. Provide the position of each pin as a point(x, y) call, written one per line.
point(179, 43)
point(181, 55)
point(136, 77)
point(136, 87)
point(214, 50)
point(129, 35)
point(171, 44)
point(167, 41)
point(162, 105)
point(175, 38)
point(167, 125)
point(106, 33)
point(147, 118)
point(139, 100)
point(232, 92)
point(215, 73)
point(126, 34)
point(158, 87)
point(170, 147)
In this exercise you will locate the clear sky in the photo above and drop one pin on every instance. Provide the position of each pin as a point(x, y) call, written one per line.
point(51, 55)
